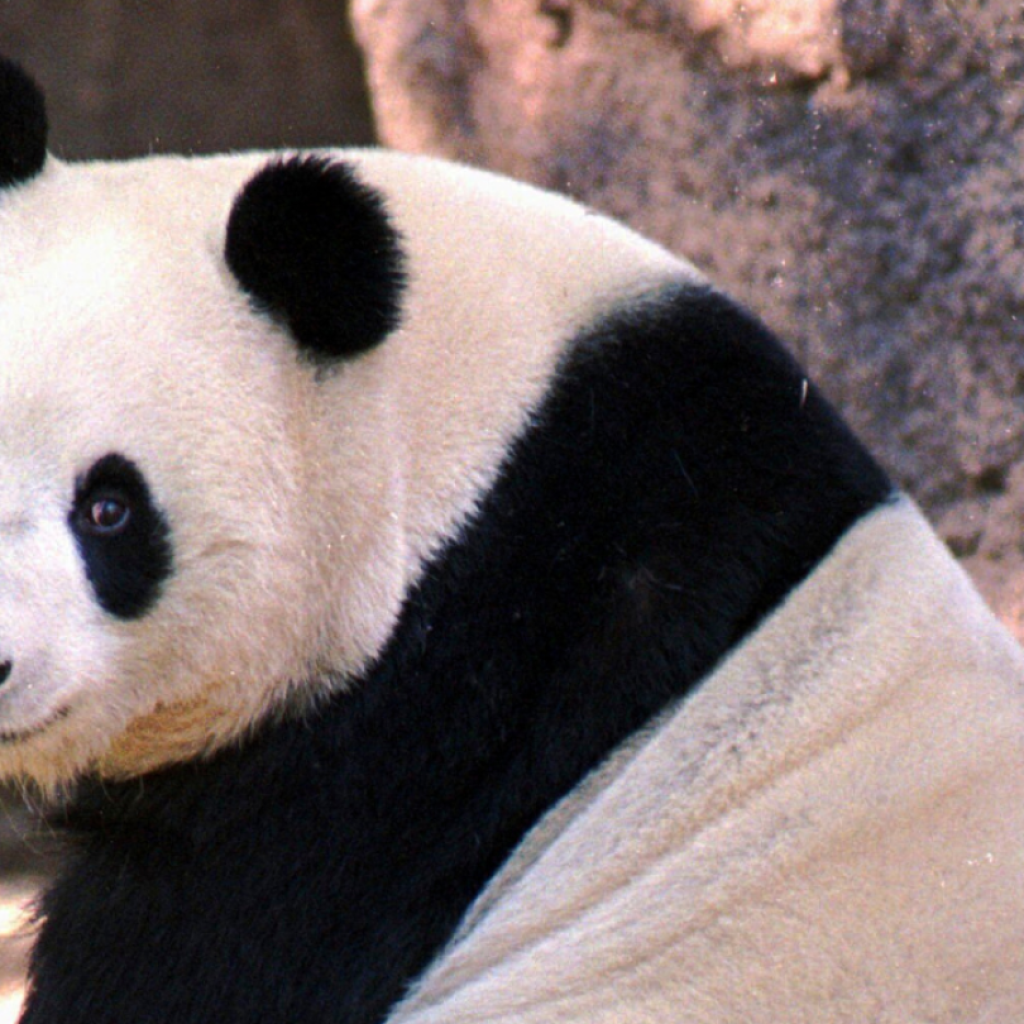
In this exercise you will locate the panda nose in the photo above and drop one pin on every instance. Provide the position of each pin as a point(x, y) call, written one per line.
point(5, 671)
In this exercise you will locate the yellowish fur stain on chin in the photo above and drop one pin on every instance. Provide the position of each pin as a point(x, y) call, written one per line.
point(170, 734)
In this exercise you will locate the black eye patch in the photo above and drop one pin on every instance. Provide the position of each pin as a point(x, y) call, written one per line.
point(123, 537)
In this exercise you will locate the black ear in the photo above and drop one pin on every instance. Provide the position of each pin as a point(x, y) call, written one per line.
point(313, 245)
point(22, 126)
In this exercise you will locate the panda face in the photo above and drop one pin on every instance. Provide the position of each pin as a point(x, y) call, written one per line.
point(149, 476)
point(243, 401)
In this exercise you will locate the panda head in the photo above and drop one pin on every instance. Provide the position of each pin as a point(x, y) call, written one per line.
point(166, 339)
point(242, 401)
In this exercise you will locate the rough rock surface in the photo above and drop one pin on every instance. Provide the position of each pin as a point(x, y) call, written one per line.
point(852, 169)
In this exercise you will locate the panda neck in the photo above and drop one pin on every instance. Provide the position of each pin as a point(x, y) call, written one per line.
point(678, 481)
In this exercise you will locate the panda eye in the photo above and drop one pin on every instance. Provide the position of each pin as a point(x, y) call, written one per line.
point(104, 515)
point(122, 536)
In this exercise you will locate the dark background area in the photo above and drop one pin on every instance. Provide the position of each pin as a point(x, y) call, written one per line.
point(127, 77)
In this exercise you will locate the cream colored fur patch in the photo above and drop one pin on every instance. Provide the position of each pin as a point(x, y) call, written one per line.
point(830, 829)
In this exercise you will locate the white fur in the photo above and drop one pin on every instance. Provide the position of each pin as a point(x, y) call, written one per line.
point(831, 829)
point(301, 511)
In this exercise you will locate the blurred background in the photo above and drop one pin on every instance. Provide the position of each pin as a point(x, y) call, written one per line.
point(124, 77)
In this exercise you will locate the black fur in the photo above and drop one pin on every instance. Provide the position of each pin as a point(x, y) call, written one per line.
point(22, 126)
point(680, 480)
point(128, 566)
point(312, 245)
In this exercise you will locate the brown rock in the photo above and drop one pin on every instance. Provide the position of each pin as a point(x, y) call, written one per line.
point(852, 169)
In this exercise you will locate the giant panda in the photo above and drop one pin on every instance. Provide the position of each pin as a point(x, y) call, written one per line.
point(423, 600)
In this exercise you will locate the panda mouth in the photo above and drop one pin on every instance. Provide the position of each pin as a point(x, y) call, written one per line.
point(9, 737)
